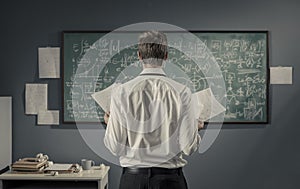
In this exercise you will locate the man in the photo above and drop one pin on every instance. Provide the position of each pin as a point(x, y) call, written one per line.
point(152, 123)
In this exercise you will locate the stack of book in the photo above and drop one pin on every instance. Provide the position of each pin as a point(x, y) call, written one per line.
point(31, 165)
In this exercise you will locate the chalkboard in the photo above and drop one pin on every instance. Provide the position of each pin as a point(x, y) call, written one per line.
point(241, 56)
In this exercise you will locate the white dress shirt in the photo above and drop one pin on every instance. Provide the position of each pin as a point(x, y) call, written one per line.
point(152, 122)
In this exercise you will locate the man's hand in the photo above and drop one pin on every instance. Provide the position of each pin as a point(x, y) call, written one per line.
point(106, 117)
point(200, 125)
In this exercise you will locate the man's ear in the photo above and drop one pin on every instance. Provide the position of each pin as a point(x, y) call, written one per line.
point(139, 55)
point(166, 56)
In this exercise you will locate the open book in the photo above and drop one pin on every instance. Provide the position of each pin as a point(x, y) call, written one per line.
point(103, 97)
point(205, 104)
point(64, 168)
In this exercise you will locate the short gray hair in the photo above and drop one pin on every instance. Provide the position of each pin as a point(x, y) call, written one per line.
point(153, 47)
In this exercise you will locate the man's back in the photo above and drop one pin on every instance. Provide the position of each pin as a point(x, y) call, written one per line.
point(152, 122)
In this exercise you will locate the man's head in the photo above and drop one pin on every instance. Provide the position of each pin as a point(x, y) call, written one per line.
point(153, 48)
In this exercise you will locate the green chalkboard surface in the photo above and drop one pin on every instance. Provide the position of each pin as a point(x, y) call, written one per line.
point(93, 61)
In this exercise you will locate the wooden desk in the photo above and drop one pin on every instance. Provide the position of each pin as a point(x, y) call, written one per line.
point(96, 174)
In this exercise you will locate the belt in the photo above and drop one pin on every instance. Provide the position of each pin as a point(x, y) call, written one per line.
point(152, 170)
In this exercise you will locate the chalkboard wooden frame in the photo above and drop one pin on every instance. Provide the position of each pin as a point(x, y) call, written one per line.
point(265, 32)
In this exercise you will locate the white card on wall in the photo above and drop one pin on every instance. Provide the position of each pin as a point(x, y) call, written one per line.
point(49, 62)
point(49, 117)
point(281, 75)
point(36, 98)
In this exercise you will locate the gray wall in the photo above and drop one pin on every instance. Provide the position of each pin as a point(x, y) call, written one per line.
point(243, 156)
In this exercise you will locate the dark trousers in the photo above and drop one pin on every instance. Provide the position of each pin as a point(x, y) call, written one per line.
point(152, 179)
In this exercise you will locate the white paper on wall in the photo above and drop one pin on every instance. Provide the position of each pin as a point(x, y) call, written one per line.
point(36, 97)
point(49, 62)
point(49, 117)
point(281, 75)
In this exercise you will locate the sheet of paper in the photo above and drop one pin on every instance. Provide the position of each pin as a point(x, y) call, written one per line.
point(281, 75)
point(206, 105)
point(49, 117)
point(36, 97)
point(49, 62)
point(58, 167)
point(103, 97)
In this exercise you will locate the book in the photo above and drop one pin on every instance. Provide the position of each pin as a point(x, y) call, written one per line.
point(103, 97)
point(29, 165)
point(206, 105)
point(63, 168)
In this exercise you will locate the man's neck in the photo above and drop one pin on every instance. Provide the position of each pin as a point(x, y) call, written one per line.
point(151, 66)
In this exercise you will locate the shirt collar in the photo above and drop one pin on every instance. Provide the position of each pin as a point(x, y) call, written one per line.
point(158, 71)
